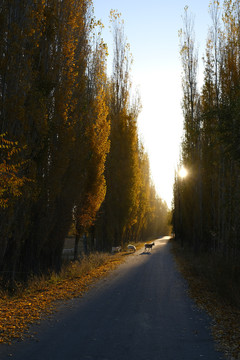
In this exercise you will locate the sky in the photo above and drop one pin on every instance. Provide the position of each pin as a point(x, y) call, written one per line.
point(151, 28)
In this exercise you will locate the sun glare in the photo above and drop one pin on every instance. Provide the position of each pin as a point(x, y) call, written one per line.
point(182, 172)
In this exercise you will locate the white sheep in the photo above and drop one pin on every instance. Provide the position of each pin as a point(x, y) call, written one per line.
point(131, 247)
point(116, 249)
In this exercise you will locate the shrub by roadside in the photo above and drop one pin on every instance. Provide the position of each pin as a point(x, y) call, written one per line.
point(209, 286)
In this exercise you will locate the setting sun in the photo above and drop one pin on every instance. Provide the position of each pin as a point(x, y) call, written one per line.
point(182, 172)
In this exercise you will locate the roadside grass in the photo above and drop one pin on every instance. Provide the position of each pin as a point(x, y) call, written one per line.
point(29, 304)
point(215, 287)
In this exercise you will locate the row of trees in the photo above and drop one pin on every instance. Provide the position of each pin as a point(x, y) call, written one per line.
point(206, 202)
point(69, 138)
point(131, 211)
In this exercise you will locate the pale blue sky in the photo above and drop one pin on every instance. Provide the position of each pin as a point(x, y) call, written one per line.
point(151, 28)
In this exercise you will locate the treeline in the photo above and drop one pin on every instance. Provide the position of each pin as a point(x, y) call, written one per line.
point(70, 151)
point(207, 200)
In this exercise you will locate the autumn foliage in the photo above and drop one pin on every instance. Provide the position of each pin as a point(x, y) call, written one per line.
point(70, 152)
point(11, 180)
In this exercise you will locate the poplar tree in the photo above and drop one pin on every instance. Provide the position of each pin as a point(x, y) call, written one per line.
point(97, 133)
point(218, 137)
point(122, 169)
point(53, 104)
point(191, 146)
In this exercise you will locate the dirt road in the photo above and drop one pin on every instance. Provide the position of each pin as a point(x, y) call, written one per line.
point(140, 312)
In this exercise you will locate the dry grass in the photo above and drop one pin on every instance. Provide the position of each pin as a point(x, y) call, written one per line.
point(29, 304)
point(216, 288)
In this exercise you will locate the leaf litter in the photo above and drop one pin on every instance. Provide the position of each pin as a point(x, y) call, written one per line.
point(28, 306)
point(225, 317)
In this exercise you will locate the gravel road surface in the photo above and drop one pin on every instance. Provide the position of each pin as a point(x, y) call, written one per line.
point(141, 311)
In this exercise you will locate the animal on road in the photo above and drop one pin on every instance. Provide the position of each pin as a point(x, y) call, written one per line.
point(149, 246)
point(131, 247)
point(116, 249)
